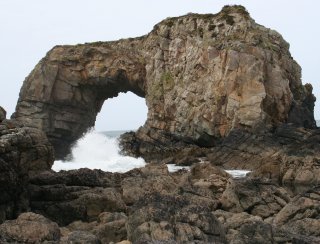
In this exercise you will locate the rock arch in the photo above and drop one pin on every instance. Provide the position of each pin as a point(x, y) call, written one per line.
point(66, 90)
point(202, 76)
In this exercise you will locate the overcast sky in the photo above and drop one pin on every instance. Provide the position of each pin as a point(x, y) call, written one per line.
point(29, 28)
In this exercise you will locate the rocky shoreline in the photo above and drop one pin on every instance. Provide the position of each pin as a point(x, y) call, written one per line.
point(253, 114)
point(279, 202)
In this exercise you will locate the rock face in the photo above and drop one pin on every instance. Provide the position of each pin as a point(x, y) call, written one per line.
point(29, 228)
point(3, 114)
point(173, 219)
point(202, 77)
point(22, 150)
point(73, 195)
point(301, 215)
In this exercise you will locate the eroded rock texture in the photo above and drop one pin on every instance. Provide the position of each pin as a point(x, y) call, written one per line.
point(202, 76)
point(22, 150)
point(29, 228)
point(151, 205)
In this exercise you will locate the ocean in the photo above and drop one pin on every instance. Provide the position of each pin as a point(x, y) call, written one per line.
point(100, 150)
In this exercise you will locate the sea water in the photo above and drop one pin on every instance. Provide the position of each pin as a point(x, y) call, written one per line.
point(100, 150)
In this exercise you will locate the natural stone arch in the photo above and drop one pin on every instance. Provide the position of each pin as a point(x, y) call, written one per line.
point(66, 90)
point(202, 76)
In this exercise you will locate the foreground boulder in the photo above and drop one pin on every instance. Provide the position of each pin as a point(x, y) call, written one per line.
point(73, 195)
point(255, 197)
point(202, 77)
point(29, 228)
point(173, 219)
point(22, 150)
point(243, 228)
point(109, 227)
point(3, 114)
point(301, 215)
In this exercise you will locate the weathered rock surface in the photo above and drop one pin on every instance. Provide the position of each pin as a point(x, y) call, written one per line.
point(3, 114)
point(22, 150)
point(79, 199)
point(80, 237)
point(29, 228)
point(243, 228)
point(65, 201)
point(219, 81)
point(151, 205)
point(202, 77)
point(254, 197)
point(301, 215)
point(173, 219)
point(109, 227)
point(288, 156)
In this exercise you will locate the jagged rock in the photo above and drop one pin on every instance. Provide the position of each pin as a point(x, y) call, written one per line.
point(301, 215)
point(3, 114)
point(64, 197)
point(202, 76)
point(21, 150)
point(73, 195)
point(173, 207)
point(29, 228)
point(172, 219)
point(65, 204)
point(154, 178)
point(254, 197)
point(243, 228)
point(80, 237)
point(301, 172)
point(208, 180)
point(109, 227)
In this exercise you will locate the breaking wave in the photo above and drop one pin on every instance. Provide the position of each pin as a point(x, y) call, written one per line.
point(99, 150)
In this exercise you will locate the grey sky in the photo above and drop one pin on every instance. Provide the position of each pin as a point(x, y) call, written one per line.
point(28, 29)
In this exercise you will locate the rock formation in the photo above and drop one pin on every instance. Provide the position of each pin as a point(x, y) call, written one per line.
point(151, 205)
point(22, 150)
point(202, 77)
point(3, 114)
point(218, 81)
point(33, 228)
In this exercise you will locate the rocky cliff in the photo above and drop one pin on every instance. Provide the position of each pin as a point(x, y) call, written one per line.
point(220, 81)
point(202, 76)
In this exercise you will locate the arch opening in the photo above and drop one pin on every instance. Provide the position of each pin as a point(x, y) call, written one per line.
point(125, 112)
point(98, 148)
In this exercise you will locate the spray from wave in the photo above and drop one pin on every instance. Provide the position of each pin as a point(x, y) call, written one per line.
point(98, 151)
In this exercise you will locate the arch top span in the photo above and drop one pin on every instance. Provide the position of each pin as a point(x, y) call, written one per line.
point(67, 88)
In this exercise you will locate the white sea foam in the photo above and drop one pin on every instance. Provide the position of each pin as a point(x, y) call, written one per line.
point(174, 168)
point(238, 173)
point(97, 151)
